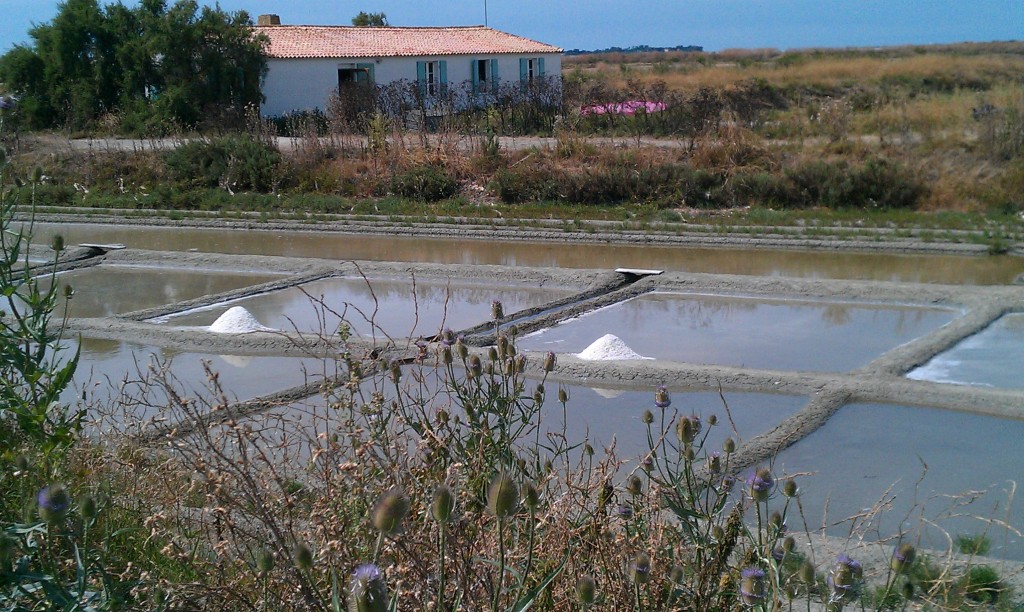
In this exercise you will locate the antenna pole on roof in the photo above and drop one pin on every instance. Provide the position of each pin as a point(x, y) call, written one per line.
point(485, 13)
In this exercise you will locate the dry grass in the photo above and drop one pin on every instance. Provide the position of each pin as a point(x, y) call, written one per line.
point(728, 69)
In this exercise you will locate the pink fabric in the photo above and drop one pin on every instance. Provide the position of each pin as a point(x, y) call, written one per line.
point(623, 108)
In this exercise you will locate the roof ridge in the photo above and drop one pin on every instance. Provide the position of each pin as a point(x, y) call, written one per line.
point(351, 27)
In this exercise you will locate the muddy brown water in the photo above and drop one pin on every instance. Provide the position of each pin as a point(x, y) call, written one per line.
point(946, 269)
point(108, 290)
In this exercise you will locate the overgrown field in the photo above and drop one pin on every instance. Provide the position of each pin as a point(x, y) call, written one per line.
point(884, 133)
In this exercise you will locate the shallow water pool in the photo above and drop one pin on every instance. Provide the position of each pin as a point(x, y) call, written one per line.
point(747, 332)
point(605, 418)
point(110, 371)
point(926, 462)
point(107, 290)
point(391, 306)
point(992, 358)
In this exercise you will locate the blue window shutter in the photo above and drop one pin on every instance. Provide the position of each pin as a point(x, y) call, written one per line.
point(494, 74)
point(443, 69)
point(540, 66)
point(369, 68)
point(475, 74)
point(524, 69)
point(421, 77)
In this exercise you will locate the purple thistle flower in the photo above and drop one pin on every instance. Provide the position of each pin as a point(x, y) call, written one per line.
point(624, 512)
point(54, 502)
point(752, 588)
point(447, 337)
point(902, 557)
point(844, 579)
point(368, 589)
point(760, 484)
point(661, 398)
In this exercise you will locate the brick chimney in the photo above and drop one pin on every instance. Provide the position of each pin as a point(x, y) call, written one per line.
point(268, 20)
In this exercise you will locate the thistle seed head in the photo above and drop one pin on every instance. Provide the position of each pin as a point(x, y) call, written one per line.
point(640, 569)
point(503, 496)
point(531, 497)
point(87, 507)
point(729, 446)
point(790, 489)
point(303, 556)
point(634, 485)
point(902, 558)
point(549, 361)
point(443, 504)
point(265, 561)
point(390, 511)
point(586, 590)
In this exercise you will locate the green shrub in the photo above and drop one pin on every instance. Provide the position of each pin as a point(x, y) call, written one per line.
point(878, 183)
point(982, 584)
point(425, 183)
point(238, 163)
point(973, 544)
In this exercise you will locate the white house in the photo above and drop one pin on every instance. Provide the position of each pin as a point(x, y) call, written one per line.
point(307, 64)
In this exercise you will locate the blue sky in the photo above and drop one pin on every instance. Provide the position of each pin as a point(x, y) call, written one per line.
point(714, 24)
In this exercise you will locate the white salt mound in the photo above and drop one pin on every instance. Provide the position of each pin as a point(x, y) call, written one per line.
point(609, 348)
point(237, 320)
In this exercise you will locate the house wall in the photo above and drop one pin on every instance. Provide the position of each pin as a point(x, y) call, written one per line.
point(307, 84)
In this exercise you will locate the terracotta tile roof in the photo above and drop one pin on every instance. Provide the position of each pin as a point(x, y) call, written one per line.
point(348, 41)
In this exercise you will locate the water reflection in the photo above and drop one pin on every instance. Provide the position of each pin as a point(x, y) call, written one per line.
point(804, 264)
point(605, 420)
point(747, 332)
point(926, 463)
point(112, 372)
point(105, 290)
point(388, 305)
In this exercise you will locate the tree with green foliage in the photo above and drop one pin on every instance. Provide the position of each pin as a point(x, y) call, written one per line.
point(153, 66)
point(376, 20)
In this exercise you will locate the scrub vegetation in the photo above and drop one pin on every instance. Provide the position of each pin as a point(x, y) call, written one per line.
point(903, 136)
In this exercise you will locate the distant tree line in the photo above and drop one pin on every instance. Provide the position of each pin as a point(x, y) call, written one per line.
point(152, 68)
point(365, 20)
point(637, 49)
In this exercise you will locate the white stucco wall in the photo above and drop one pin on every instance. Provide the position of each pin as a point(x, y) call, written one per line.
point(307, 84)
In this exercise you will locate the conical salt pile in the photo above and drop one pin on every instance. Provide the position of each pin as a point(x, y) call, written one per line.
point(237, 320)
point(609, 348)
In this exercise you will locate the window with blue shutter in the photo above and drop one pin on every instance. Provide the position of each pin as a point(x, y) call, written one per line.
point(443, 65)
point(421, 77)
point(531, 68)
point(484, 75)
